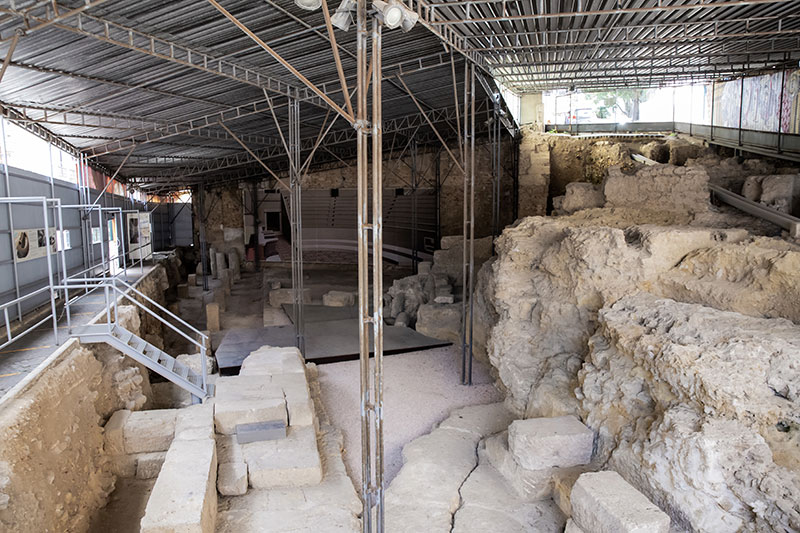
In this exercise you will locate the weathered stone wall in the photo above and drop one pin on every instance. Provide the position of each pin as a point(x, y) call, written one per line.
point(694, 403)
point(534, 172)
point(223, 218)
point(54, 473)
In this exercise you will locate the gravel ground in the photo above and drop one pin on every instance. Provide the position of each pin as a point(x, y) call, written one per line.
point(420, 390)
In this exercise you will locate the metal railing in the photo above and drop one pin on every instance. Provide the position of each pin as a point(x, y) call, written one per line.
point(112, 285)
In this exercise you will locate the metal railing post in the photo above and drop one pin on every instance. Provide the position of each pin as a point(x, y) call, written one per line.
point(10, 219)
point(50, 270)
point(108, 308)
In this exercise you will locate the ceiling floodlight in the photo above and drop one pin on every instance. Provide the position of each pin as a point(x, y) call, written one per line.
point(343, 17)
point(308, 5)
point(389, 13)
point(410, 18)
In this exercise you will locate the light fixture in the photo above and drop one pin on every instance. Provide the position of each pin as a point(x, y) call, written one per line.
point(410, 18)
point(343, 18)
point(389, 13)
point(308, 5)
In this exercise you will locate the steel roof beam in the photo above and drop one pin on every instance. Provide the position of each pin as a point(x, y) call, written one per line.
point(167, 50)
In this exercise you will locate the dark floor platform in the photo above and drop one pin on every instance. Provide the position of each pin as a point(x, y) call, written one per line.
point(326, 342)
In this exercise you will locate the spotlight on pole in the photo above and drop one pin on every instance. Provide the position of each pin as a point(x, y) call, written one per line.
point(308, 5)
point(389, 13)
point(410, 18)
point(343, 17)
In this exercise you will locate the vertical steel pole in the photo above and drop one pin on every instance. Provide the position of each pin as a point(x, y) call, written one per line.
point(741, 105)
point(10, 218)
point(50, 269)
point(201, 210)
point(713, 94)
point(295, 201)
point(363, 263)
point(780, 107)
point(471, 216)
point(414, 185)
point(465, 226)
point(63, 255)
point(377, 266)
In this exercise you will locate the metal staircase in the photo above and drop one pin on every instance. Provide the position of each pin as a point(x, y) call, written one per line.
point(135, 347)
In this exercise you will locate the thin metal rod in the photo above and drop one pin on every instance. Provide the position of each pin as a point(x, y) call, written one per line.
point(114, 176)
point(780, 107)
point(296, 73)
point(472, 217)
point(336, 58)
point(7, 60)
point(254, 156)
point(428, 120)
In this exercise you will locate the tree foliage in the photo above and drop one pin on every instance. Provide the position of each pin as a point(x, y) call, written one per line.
point(627, 101)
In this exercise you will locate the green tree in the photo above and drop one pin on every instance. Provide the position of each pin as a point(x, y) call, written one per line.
point(626, 101)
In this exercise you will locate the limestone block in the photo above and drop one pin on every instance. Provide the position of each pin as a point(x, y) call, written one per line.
point(444, 299)
point(232, 479)
point(440, 321)
point(212, 316)
point(149, 431)
point(195, 422)
point(338, 299)
point(258, 431)
point(191, 280)
point(603, 502)
point(781, 192)
point(479, 420)
point(183, 290)
point(234, 264)
point(148, 465)
point(269, 360)
point(122, 465)
point(194, 361)
point(212, 260)
point(582, 196)
point(184, 498)
point(538, 443)
point(225, 278)
point(278, 297)
point(751, 189)
point(424, 267)
point(531, 485)
point(246, 399)
point(221, 263)
point(228, 449)
point(449, 260)
point(274, 284)
point(113, 433)
point(290, 462)
point(220, 298)
point(402, 320)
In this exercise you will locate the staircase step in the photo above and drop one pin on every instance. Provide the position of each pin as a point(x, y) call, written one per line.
point(151, 352)
point(183, 371)
point(140, 345)
point(169, 364)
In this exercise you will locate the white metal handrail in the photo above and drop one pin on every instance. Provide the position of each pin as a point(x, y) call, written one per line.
point(5, 306)
point(111, 284)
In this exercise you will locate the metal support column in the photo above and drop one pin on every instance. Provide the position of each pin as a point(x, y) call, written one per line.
point(713, 95)
point(10, 219)
point(201, 211)
point(741, 105)
point(295, 206)
point(780, 107)
point(372, 487)
point(468, 238)
point(414, 186)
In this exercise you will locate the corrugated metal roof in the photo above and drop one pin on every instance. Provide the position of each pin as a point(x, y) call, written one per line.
point(89, 78)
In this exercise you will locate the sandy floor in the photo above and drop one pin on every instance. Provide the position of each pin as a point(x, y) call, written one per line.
point(420, 389)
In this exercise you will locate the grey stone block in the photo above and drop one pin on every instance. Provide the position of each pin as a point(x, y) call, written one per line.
point(258, 431)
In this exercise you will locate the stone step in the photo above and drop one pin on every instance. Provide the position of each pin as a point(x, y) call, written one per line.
point(246, 399)
point(603, 502)
point(538, 443)
point(290, 462)
point(184, 497)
